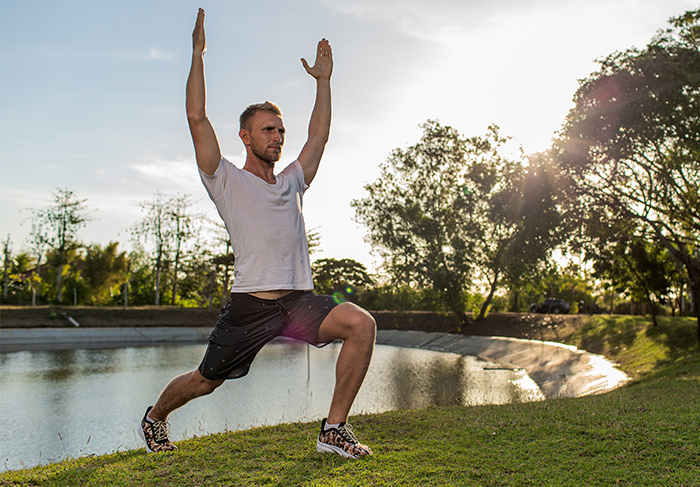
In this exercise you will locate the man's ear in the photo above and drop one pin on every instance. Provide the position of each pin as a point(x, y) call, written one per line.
point(245, 136)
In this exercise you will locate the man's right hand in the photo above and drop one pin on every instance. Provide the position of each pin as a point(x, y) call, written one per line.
point(199, 42)
point(206, 146)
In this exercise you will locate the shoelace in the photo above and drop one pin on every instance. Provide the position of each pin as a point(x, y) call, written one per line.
point(346, 432)
point(160, 431)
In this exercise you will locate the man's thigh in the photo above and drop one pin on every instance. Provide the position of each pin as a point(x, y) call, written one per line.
point(245, 325)
point(345, 320)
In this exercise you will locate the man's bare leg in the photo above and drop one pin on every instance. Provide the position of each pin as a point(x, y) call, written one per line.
point(357, 329)
point(181, 390)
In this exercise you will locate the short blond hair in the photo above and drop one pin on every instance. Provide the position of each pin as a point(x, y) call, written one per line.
point(248, 113)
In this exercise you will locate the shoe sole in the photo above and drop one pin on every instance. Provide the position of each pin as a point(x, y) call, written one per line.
point(326, 448)
point(143, 437)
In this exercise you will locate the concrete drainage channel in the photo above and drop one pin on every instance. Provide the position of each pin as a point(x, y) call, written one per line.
point(559, 370)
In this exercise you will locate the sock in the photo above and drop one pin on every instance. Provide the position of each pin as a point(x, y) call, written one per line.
point(329, 426)
point(149, 419)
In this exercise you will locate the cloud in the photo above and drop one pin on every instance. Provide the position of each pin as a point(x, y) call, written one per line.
point(173, 174)
point(440, 21)
point(160, 54)
point(152, 54)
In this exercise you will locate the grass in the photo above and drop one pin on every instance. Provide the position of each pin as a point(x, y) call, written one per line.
point(647, 433)
point(632, 342)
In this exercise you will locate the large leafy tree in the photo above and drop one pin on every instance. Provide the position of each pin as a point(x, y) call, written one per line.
point(342, 278)
point(185, 225)
point(420, 216)
point(155, 227)
point(104, 270)
point(169, 225)
point(56, 227)
point(632, 141)
point(520, 208)
point(450, 210)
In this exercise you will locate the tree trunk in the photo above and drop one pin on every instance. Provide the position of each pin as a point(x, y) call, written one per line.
point(652, 308)
point(514, 302)
point(173, 299)
point(6, 268)
point(5, 283)
point(489, 298)
point(59, 280)
point(158, 261)
point(694, 289)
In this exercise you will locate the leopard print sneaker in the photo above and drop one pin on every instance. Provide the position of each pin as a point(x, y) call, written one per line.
point(155, 434)
point(341, 440)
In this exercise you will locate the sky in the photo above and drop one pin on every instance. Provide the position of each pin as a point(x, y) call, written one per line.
point(92, 93)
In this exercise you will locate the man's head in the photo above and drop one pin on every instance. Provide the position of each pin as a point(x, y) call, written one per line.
point(248, 113)
point(262, 131)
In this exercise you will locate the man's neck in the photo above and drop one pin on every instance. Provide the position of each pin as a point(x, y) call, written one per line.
point(263, 170)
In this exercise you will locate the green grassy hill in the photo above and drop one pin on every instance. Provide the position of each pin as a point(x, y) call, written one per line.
point(646, 433)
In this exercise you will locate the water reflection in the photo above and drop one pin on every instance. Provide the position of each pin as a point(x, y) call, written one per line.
point(62, 403)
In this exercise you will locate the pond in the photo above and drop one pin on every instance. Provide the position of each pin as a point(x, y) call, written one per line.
point(68, 403)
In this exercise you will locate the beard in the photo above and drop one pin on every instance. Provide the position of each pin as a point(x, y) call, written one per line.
point(264, 154)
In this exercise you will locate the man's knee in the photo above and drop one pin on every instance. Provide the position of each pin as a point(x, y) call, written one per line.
point(347, 321)
point(361, 323)
point(203, 385)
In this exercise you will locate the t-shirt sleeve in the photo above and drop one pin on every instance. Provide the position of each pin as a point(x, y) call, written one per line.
point(295, 172)
point(215, 184)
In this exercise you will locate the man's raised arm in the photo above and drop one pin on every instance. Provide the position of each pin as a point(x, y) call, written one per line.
point(320, 124)
point(206, 145)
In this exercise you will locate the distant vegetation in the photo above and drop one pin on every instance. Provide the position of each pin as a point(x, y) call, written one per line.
point(607, 219)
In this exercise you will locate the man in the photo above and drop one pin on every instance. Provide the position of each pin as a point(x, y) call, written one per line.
point(271, 294)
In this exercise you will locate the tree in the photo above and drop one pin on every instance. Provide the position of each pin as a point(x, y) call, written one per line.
point(521, 214)
point(57, 227)
point(169, 224)
point(420, 218)
point(449, 207)
point(342, 278)
point(6, 263)
point(104, 271)
point(632, 141)
point(140, 277)
point(155, 227)
point(185, 226)
point(200, 285)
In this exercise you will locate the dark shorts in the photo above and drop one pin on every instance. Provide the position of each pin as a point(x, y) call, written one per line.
point(247, 323)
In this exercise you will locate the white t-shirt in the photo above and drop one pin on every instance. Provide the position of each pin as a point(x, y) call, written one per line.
point(266, 227)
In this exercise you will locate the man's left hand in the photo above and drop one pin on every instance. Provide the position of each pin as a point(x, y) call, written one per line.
point(323, 67)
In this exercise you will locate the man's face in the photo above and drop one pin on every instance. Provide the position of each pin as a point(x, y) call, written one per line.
point(266, 136)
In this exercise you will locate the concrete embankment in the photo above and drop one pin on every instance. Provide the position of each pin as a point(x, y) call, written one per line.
point(559, 370)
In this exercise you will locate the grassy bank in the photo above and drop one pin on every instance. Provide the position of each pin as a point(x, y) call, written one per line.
point(647, 433)
point(632, 342)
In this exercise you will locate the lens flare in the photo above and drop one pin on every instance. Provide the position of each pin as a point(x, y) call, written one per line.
point(339, 297)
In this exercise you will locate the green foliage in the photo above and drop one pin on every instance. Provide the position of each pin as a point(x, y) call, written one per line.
point(169, 225)
point(56, 227)
point(200, 286)
point(449, 210)
point(104, 272)
point(419, 214)
point(632, 142)
point(345, 279)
